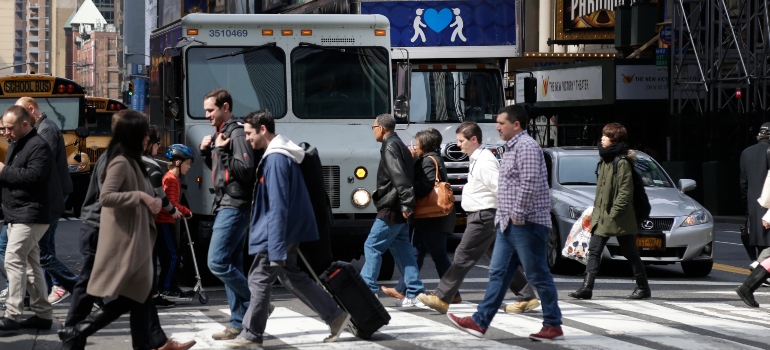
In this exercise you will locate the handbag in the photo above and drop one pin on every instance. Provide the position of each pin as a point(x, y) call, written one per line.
point(576, 246)
point(438, 202)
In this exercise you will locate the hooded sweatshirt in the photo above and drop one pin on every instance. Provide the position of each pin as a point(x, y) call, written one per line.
point(281, 214)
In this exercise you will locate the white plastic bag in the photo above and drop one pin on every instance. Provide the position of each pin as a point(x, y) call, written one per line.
point(764, 198)
point(576, 246)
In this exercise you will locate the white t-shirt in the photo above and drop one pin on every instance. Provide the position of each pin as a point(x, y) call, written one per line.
point(481, 190)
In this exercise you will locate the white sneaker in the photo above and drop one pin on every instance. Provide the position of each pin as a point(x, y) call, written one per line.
point(3, 295)
point(408, 302)
point(242, 343)
point(57, 294)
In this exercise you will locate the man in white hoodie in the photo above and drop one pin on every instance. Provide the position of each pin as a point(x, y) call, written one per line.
point(274, 236)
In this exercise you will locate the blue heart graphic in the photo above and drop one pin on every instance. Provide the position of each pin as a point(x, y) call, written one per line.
point(437, 20)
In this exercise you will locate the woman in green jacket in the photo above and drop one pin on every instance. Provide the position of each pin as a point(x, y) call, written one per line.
point(613, 214)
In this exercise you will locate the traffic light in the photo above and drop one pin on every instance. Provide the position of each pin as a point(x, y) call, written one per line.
point(130, 88)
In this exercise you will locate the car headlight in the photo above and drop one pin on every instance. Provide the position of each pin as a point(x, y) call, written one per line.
point(575, 212)
point(697, 217)
point(77, 168)
point(361, 197)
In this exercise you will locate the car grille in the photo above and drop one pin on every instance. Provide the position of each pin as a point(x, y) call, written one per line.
point(94, 154)
point(656, 224)
point(456, 163)
point(332, 183)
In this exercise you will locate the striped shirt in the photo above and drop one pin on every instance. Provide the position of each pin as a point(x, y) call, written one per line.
point(523, 193)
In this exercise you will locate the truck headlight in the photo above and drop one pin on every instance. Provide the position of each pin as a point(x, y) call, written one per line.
point(78, 168)
point(697, 217)
point(361, 197)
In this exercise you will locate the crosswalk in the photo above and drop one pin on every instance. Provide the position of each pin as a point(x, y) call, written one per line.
point(590, 324)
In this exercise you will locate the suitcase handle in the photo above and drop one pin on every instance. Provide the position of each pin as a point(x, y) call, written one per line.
point(309, 268)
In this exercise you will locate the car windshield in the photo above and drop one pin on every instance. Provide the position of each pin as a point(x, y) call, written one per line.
point(64, 111)
point(340, 82)
point(581, 170)
point(455, 96)
point(255, 79)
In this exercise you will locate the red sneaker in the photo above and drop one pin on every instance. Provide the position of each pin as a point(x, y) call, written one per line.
point(547, 333)
point(466, 324)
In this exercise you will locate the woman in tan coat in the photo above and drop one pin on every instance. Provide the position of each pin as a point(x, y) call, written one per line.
point(123, 265)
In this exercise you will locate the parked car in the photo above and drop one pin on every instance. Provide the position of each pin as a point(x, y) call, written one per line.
point(679, 229)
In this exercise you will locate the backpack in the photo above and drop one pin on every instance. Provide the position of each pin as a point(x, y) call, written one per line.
point(642, 206)
point(318, 253)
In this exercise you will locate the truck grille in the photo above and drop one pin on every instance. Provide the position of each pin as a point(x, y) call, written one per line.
point(94, 154)
point(332, 183)
point(658, 224)
point(456, 163)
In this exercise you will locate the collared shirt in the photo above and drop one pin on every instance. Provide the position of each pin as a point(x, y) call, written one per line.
point(523, 188)
point(481, 190)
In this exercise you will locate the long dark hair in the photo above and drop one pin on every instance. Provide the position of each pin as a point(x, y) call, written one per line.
point(154, 138)
point(129, 133)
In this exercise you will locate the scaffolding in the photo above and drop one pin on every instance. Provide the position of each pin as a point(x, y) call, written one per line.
point(720, 66)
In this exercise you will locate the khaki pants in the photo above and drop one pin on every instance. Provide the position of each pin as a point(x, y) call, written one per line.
point(22, 263)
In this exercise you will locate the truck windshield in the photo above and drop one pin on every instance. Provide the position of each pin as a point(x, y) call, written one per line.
point(340, 82)
point(256, 79)
point(64, 111)
point(455, 96)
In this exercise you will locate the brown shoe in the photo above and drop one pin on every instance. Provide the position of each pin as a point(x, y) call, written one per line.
point(392, 292)
point(521, 306)
point(433, 302)
point(458, 299)
point(173, 345)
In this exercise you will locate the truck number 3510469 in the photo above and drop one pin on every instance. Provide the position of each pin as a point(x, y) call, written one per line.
point(228, 32)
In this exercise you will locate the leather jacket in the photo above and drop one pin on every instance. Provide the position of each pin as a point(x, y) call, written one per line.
point(394, 177)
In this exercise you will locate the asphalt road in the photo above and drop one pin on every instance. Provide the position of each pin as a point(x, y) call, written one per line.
point(684, 313)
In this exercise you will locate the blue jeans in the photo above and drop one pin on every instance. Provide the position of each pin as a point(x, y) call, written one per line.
point(396, 238)
point(58, 273)
point(428, 242)
point(3, 244)
point(525, 245)
point(225, 260)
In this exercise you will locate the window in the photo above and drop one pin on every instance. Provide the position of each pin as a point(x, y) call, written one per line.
point(256, 79)
point(455, 96)
point(340, 82)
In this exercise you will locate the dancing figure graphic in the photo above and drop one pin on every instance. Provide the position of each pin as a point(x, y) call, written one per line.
point(417, 24)
point(458, 23)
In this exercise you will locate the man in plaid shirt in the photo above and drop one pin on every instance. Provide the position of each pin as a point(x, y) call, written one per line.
point(523, 225)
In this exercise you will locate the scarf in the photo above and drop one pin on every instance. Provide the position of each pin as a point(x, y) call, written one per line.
point(609, 153)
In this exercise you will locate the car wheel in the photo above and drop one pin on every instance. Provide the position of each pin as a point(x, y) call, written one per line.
point(697, 268)
point(556, 262)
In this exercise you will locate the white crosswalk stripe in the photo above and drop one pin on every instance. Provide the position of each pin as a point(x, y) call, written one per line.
point(590, 324)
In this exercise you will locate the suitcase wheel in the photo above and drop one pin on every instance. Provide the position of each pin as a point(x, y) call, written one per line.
point(360, 334)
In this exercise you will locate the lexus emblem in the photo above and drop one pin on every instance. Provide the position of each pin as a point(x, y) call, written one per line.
point(647, 225)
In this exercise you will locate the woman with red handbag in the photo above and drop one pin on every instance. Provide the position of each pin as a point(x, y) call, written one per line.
point(429, 234)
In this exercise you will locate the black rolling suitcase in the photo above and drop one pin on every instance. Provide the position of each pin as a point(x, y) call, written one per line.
point(345, 284)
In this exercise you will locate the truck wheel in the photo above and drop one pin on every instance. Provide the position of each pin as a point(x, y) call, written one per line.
point(386, 269)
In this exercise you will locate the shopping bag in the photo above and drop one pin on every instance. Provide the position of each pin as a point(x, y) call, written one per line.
point(576, 246)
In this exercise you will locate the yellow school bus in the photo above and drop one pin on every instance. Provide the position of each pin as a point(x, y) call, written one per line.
point(63, 101)
point(100, 126)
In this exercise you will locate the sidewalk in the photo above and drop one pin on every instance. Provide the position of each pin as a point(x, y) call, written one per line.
point(734, 219)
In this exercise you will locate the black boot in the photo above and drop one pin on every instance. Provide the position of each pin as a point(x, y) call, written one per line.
point(746, 290)
point(74, 338)
point(586, 291)
point(642, 290)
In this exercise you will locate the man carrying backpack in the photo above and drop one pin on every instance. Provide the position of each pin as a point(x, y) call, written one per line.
point(613, 213)
point(281, 218)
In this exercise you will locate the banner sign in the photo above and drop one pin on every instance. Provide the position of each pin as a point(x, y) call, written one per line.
point(640, 83)
point(447, 23)
point(572, 84)
point(589, 14)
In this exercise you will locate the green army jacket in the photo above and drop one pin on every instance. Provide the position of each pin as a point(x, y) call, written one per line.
point(613, 213)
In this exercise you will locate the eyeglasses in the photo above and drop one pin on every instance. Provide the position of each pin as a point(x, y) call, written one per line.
point(375, 126)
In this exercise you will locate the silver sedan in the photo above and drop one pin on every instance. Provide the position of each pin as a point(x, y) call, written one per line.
point(679, 229)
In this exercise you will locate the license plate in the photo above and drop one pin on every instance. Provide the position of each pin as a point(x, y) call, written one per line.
point(461, 220)
point(651, 241)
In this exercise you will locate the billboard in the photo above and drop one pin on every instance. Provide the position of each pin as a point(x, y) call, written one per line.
point(560, 85)
point(448, 23)
point(586, 19)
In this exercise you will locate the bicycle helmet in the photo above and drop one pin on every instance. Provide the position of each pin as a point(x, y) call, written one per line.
point(179, 151)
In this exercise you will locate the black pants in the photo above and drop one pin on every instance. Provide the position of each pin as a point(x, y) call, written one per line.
point(627, 247)
point(81, 302)
point(168, 253)
point(143, 336)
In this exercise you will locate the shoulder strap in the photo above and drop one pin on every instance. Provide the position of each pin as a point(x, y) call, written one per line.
point(438, 179)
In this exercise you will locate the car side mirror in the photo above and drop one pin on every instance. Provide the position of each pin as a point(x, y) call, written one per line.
point(82, 132)
point(91, 115)
point(403, 90)
point(687, 185)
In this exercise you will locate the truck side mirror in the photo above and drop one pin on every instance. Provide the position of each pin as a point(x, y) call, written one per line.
point(403, 90)
point(530, 90)
point(90, 115)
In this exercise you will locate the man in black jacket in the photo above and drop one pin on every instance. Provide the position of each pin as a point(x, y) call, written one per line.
point(754, 167)
point(26, 206)
point(233, 173)
point(61, 279)
point(394, 199)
